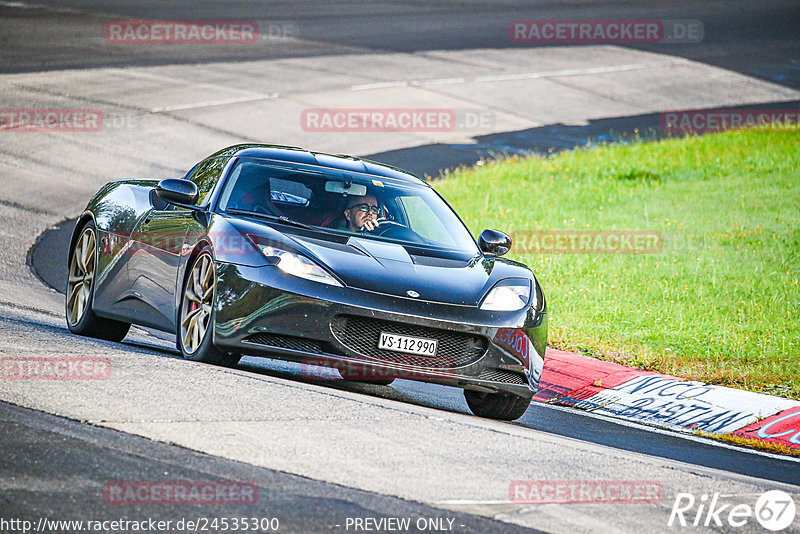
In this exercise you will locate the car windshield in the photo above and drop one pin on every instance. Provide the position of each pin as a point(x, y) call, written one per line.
point(345, 203)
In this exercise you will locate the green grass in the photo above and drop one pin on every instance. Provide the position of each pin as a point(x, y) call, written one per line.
point(719, 303)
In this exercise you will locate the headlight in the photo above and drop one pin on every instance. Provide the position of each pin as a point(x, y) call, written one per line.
point(297, 265)
point(507, 295)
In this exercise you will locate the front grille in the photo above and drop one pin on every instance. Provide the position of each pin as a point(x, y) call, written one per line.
point(286, 342)
point(361, 334)
point(499, 375)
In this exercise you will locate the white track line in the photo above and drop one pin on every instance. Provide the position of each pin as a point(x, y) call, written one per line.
point(574, 72)
point(26, 5)
point(210, 103)
point(379, 85)
point(520, 76)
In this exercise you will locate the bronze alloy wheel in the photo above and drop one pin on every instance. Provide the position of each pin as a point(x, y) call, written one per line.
point(197, 302)
point(80, 289)
point(81, 276)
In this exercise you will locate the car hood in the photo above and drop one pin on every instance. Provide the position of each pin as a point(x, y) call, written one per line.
point(389, 268)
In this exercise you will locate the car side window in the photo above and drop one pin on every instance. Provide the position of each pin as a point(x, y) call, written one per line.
point(423, 220)
point(158, 204)
point(206, 176)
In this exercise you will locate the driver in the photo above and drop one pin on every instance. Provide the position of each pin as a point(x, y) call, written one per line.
point(362, 213)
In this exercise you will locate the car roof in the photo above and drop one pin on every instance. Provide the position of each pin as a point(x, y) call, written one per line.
point(302, 156)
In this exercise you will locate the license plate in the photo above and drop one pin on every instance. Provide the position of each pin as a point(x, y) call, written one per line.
point(410, 345)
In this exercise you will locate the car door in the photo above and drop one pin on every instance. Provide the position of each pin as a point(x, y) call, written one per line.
point(161, 236)
point(153, 265)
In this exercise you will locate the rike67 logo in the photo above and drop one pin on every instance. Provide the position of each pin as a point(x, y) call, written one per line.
point(774, 510)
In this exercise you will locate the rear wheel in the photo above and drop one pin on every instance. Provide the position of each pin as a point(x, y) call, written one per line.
point(81, 318)
point(501, 406)
point(195, 339)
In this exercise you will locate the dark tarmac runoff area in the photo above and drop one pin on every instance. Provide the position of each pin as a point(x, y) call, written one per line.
point(756, 39)
point(64, 471)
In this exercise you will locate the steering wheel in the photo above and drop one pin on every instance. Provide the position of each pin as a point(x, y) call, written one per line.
point(384, 227)
point(396, 230)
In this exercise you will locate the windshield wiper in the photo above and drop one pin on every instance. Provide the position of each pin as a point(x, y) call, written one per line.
point(283, 219)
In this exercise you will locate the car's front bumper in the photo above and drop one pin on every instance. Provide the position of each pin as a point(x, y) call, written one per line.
point(263, 311)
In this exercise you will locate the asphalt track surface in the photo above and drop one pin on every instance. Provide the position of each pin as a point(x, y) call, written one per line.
point(57, 467)
point(756, 39)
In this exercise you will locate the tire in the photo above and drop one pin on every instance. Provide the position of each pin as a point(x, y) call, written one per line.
point(81, 318)
point(196, 314)
point(502, 406)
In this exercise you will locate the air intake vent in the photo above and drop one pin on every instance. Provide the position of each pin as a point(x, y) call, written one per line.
point(361, 334)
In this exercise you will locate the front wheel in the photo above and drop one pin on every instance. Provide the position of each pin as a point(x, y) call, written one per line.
point(81, 318)
point(502, 406)
point(195, 339)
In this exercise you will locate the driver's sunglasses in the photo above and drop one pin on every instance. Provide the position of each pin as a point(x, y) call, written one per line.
point(364, 208)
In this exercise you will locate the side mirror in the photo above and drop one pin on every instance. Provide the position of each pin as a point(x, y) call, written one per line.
point(178, 191)
point(494, 242)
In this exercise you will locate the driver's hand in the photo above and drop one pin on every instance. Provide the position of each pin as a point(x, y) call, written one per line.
point(372, 224)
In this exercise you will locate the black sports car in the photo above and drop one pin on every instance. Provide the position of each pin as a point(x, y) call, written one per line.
point(326, 260)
